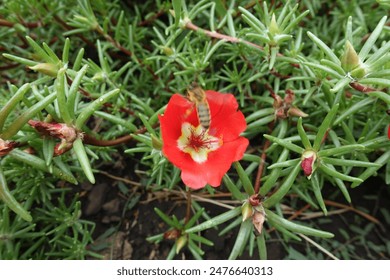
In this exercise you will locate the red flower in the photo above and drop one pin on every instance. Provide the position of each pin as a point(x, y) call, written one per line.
point(203, 155)
point(7, 146)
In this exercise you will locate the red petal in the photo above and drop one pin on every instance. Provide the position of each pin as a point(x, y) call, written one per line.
point(193, 180)
point(196, 175)
point(225, 119)
point(388, 132)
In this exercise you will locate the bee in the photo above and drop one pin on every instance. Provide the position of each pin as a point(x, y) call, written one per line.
point(198, 96)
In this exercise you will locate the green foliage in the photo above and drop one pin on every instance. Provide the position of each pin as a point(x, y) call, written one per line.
point(106, 69)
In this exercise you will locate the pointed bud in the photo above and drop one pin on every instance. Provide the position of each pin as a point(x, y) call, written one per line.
point(295, 112)
point(99, 76)
point(49, 69)
point(289, 97)
point(172, 12)
point(167, 51)
point(273, 26)
point(7, 146)
point(278, 101)
point(156, 143)
point(258, 219)
point(62, 147)
point(180, 243)
point(246, 211)
point(308, 160)
point(350, 61)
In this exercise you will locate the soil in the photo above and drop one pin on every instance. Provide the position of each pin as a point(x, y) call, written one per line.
point(124, 221)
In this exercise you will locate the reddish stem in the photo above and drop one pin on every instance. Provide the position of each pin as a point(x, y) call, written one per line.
point(90, 140)
point(260, 170)
point(213, 34)
point(362, 88)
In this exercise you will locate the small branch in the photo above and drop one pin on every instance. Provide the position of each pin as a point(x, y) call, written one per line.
point(362, 88)
point(90, 140)
point(188, 210)
point(260, 170)
point(216, 35)
point(4, 22)
point(361, 213)
point(151, 19)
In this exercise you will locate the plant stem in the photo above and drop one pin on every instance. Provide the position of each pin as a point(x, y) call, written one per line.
point(363, 88)
point(188, 211)
point(261, 165)
point(90, 140)
point(216, 35)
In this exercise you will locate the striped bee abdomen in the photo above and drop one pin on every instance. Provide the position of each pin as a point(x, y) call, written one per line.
point(198, 96)
point(204, 114)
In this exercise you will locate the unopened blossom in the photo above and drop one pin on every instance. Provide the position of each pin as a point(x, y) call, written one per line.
point(67, 134)
point(308, 160)
point(284, 108)
point(258, 219)
point(6, 146)
point(203, 155)
point(246, 211)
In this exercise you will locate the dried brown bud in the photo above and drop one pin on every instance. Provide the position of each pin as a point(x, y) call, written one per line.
point(258, 219)
point(289, 97)
point(172, 234)
point(7, 146)
point(67, 134)
point(278, 102)
point(295, 112)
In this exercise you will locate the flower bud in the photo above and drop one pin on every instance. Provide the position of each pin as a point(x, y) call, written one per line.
point(156, 143)
point(278, 101)
point(273, 26)
point(7, 146)
point(289, 97)
point(167, 51)
point(62, 147)
point(180, 243)
point(67, 134)
point(246, 211)
point(255, 200)
point(99, 76)
point(308, 160)
point(56, 130)
point(172, 234)
point(295, 112)
point(350, 61)
point(49, 69)
point(258, 219)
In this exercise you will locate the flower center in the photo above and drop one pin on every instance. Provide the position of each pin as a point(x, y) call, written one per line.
point(197, 142)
